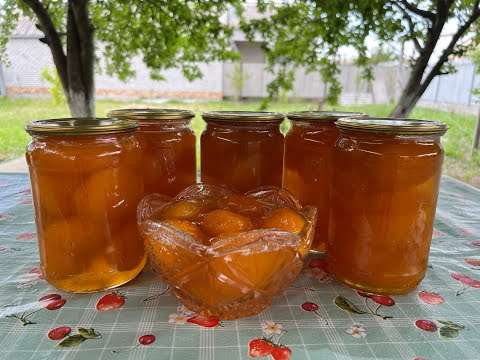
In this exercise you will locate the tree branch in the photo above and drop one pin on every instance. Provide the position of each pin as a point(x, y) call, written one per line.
point(411, 27)
point(423, 13)
point(449, 50)
point(52, 39)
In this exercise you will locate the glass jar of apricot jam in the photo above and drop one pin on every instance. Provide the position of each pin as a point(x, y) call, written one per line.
point(242, 149)
point(168, 145)
point(308, 163)
point(86, 188)
point(385, 186)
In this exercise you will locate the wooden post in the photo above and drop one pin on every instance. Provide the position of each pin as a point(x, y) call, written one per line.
point(476, 135)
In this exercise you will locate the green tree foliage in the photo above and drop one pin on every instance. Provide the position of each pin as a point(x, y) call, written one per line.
point(310, 33)
point(383, 54)
point(56, 91)
point(163, 33)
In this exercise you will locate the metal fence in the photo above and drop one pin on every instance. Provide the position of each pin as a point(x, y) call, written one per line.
point(454, 89)
point(2, 82)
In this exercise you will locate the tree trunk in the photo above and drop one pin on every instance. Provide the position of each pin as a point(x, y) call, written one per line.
point(80, 54)
point(76, 66)
point(476, 135)
point(408, 99)
point(79, 104)
point(415, 87)
point(321, 99)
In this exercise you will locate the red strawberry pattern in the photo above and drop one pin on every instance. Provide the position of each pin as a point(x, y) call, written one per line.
point(38, 272)
point(466, 231)
point(472, 262)
point(430, 298)
point(281, 353)
point(426, 325)
point(438, 233)
point(59, 333)
point(26, 236)
point(110, 301)
point(259, 348)
point(204, 321)
point(466, 282)
point(270, 343)
point(50, 310)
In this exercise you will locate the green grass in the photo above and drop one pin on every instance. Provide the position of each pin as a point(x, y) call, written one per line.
point(15, 113)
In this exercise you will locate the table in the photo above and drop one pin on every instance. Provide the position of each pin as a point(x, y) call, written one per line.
point(451, 328)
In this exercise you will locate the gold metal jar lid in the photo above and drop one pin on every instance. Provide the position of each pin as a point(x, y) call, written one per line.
point(327, 116)
point(80, 126)
point(397, 126)
point(247, 116)
point(151, 114)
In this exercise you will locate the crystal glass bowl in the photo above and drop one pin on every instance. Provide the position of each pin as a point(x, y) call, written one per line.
point(239, 274)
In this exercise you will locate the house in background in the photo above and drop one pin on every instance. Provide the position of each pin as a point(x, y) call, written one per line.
point(28, 56)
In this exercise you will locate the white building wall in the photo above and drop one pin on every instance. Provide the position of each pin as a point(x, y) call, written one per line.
point(28, 56)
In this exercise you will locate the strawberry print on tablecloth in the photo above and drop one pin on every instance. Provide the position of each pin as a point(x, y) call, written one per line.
point(184, 315)
point(270, 344)
point(430, 318)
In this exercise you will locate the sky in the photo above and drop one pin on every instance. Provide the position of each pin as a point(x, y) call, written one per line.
point(373, 44)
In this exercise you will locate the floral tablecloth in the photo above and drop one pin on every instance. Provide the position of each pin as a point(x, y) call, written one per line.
point(316, 318)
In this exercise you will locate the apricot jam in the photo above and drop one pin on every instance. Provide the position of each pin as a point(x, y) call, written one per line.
point(308, 166)
point(242, 149)
point(225, 254)
point(86, 188)
point(385, 187)
point(168, 145)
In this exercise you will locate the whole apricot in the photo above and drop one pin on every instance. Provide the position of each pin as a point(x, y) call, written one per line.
point(222, 221)
point(190, 228)
point(190, 210)
point(284, 219)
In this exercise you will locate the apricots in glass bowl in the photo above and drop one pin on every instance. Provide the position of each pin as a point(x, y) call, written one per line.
point(224, 254)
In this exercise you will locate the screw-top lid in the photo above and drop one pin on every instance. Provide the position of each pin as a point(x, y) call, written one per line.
point(240, 116)
point(397, 126)
point(80, 126)
point(151, 114)
point(327, 116)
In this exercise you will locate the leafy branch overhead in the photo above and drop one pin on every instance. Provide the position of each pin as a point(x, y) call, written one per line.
point(163, 34)
point(311, 33)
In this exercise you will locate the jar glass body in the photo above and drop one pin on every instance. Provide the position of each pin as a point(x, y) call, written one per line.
point(383, 203)
point(86, 190)
point(308, 169)
point(243, 155)
point(169, 155)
